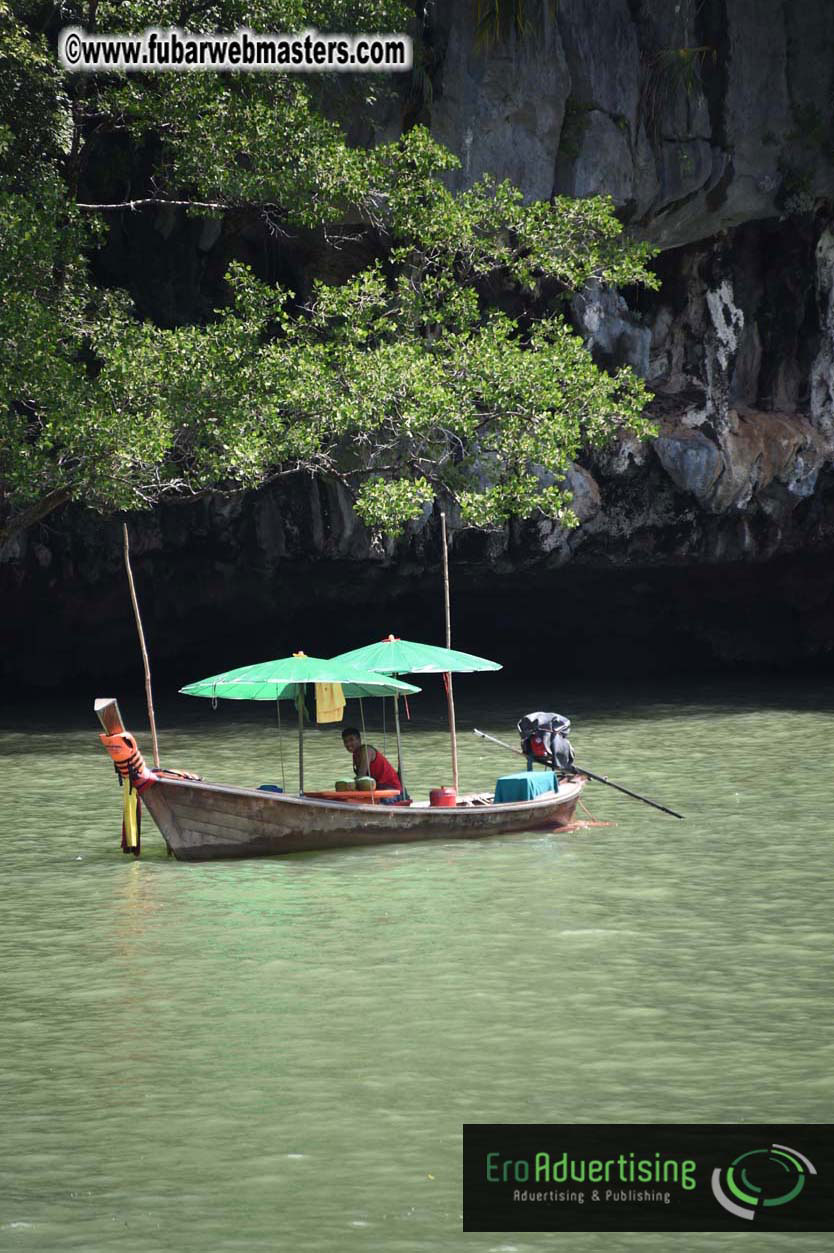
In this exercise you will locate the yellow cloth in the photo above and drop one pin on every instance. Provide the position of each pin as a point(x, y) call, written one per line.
point(131, 825)
point(330, 702)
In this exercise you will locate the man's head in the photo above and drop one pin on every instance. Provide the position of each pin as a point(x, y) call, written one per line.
point(351, 739)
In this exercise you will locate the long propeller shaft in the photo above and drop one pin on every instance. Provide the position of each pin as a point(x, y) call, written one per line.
point(582, 770)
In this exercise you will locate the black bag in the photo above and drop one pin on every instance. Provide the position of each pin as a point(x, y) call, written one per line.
point(544, 738)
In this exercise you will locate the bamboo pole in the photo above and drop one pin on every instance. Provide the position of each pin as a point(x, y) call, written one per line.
point(145, 662)
point(450, 699)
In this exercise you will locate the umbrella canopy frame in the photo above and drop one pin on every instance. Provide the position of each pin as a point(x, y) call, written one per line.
point(394, 656)
point(287, 679)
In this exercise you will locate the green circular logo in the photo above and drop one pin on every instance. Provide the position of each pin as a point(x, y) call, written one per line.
point(760, 1179)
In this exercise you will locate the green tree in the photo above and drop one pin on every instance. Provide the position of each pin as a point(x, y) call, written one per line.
point(409, 379)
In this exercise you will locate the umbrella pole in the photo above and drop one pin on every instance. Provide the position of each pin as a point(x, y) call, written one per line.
point(450, 700)
point(281, 745)
point(399, 744)
point(300, 709)
point(364, 733)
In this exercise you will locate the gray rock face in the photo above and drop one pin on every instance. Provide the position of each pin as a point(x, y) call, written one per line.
point(767, 457)
point(822, 371)
point(600, 42)
point(584, 488)
point(692, 461)
point(684, 166)
point(756, 106)
point(501, 111)
point(597, 151)
point(613, 334)
point(722, 343)
point(694, 117)
point(602, 163)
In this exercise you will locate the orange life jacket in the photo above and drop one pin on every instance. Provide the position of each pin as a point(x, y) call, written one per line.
point(127, 760)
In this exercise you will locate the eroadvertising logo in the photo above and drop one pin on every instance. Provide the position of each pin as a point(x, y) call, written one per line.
point(761, 1178)
point(644, 1177)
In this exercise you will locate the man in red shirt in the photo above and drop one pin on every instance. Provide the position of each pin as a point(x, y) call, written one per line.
point(367, 760)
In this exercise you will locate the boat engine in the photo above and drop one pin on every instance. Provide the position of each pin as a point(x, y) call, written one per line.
point(544, 739)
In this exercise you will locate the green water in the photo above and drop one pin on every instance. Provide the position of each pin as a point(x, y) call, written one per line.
point(279, 1054)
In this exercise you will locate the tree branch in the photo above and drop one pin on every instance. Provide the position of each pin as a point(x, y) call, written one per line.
point(159, 200)
point(34, 513)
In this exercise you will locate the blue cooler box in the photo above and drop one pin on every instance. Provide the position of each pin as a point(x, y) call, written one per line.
point(524, 786)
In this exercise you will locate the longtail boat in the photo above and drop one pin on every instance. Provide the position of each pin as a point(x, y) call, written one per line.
point(203, 821)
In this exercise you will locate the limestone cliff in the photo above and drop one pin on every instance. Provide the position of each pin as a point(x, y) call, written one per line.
point(711, 125)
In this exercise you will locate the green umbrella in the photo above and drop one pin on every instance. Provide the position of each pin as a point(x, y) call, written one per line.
point(396, 656)
point(287, 678)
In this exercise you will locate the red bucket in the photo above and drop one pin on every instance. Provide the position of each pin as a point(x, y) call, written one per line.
point(443, 798)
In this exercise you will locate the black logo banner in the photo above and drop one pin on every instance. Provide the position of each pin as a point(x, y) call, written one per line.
point(648, 1177)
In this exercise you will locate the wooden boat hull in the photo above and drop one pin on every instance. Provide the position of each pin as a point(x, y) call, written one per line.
point(203, 821)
